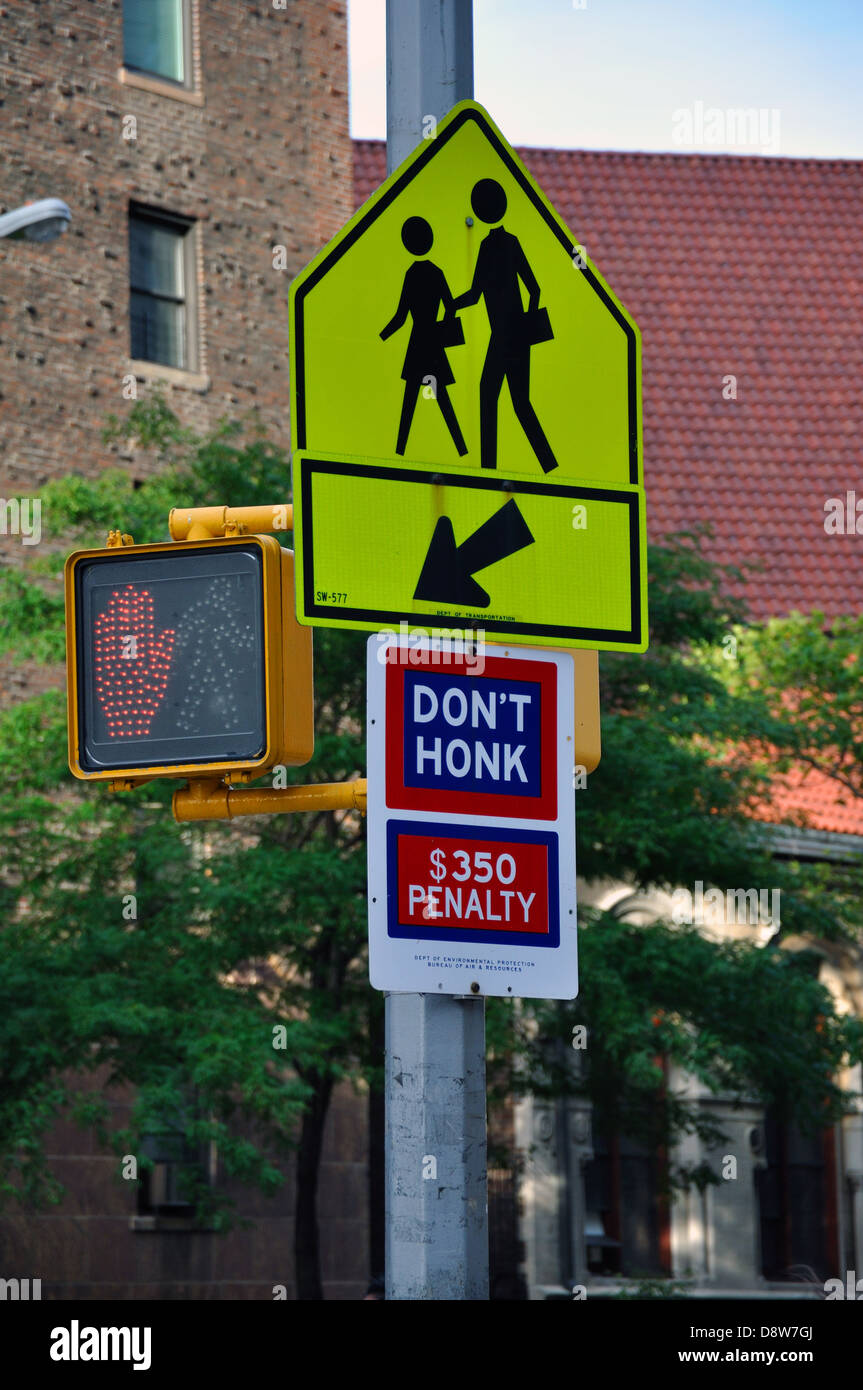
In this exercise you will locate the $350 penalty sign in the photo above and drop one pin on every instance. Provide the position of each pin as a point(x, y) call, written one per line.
point(471, 820)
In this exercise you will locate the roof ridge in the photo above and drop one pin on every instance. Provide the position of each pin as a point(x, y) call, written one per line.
point(675, 156)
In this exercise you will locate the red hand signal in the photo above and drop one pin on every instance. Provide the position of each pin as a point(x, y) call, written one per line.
point(131, 667)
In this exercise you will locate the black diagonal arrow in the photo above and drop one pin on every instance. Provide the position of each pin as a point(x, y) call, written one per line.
point(447, 572)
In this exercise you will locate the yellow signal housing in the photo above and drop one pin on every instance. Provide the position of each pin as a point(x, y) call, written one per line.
point(588, 738)
point(185, 659)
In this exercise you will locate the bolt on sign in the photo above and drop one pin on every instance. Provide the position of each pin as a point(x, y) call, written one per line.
point(465, 412)
point(471, 824)
point(186, 659)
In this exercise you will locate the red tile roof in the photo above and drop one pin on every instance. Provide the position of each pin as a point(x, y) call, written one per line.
point(752, 267)
point(733, 265)
point(810, 798)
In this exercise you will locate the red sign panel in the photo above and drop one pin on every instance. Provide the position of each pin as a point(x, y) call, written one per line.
point(486, 885)
point(470, 742)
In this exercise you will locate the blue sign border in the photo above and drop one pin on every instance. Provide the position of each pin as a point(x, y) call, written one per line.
point(411, 932)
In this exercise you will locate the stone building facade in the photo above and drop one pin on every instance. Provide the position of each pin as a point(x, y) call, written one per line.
point(786, 1212)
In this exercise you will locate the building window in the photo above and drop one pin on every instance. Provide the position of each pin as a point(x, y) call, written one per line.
point(162, 277)
point(179, 1171)
point(798, 1203)
point(626, 1227)
point(156, 38)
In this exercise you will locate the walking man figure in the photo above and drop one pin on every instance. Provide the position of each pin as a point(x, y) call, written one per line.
point(500, 264)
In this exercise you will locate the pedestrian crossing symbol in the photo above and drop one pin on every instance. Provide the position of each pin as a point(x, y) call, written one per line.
point(465, 412)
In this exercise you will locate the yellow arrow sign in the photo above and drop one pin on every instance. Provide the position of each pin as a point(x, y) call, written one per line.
point(546, 565)
point(455, 324)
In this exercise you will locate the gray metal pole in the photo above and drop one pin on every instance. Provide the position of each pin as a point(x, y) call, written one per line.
point(437, 1221)
point(429, 67)
point(436, 1187)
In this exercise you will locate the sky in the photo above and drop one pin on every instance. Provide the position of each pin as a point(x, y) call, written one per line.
point(650, 74)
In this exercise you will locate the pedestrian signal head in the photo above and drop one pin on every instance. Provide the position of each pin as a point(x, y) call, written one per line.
point(185, 659)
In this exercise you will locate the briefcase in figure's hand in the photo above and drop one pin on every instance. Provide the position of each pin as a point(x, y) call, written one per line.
point(451, 332)
point(537, 326)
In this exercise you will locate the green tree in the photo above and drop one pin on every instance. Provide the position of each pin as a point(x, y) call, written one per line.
point(238, 929)
point(690, 743)
point(808, 672)
point(244, 928)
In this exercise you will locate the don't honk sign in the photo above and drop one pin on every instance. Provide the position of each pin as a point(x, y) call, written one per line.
point(465, 411)
point(471, 820)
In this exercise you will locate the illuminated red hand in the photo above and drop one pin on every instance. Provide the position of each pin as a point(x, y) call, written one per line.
point(131, 667)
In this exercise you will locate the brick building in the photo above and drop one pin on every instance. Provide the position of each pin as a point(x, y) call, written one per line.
point(190, 141)
point(203, 150)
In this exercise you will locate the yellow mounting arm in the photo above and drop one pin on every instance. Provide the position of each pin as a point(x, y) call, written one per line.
point(212, 800)
point(199, 523)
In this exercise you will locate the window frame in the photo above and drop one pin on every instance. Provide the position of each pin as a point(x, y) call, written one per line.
point(188, 81)
point(187, 230)
point(173, 1157)
point(168, 1172)
point(190, 90)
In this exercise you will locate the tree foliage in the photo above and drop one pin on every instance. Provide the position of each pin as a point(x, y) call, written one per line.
point(245, 927)
point(694, 733)
point(236, 929)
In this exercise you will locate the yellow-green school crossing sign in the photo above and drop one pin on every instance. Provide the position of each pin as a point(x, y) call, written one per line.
point(465, 412)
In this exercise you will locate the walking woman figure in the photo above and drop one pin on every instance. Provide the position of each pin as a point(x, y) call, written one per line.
point(423, 292)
